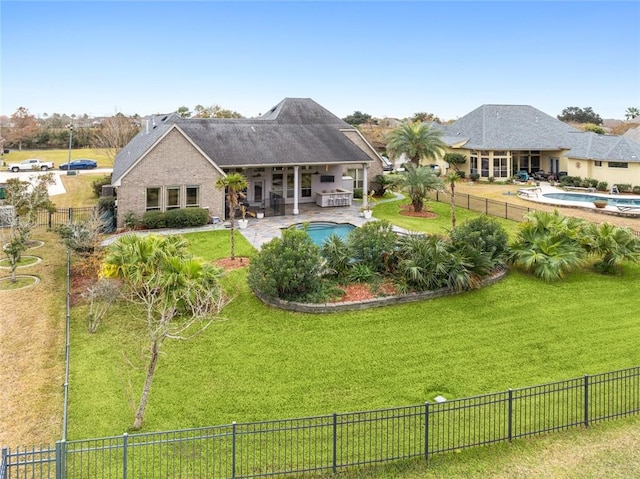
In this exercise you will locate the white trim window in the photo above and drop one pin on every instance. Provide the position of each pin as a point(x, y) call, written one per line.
point(192, 196)
point(173, 198)
point(152, 200)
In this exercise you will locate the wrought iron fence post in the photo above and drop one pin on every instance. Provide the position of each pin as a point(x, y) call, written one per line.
point(506, 210)
point(61, 453)
point(586, 400)
point(233, 449)
point(3, 462)
point(486, 206)
point(335, 443)
point(50, 218)
point(510, 420)
point(426, 431)
point(70, 215)
point(125, 439)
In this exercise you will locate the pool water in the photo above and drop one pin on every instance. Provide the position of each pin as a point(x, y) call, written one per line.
point(586, 198)
point(320, 230)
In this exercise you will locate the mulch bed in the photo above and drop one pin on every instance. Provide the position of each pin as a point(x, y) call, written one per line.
point(407, 210)
point(229, 264)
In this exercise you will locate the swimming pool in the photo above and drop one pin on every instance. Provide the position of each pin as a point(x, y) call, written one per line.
point(321, 230)
point(587, 198)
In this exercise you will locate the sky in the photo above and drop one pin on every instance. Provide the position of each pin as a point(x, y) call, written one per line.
point(386, 59)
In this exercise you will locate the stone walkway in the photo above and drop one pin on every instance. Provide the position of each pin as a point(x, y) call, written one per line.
point(263, 230)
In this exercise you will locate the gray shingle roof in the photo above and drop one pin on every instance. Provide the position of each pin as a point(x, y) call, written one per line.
point(296, 130)
point(589, 145)
point(522, 127)
point(508, 127)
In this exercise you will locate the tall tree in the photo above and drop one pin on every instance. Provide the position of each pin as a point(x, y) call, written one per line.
point(580, 115)
point(357, 118)
point(416, 140)
point(417, 181)
point(24, 126)
point(184, 112)
point(631, 113)
point(114, 133)
point(180, 295)
point(234, 185)
point(214, 111)
point(425, 117)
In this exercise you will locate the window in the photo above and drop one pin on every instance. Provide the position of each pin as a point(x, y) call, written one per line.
point(597, 163)
point(290, 185)
point(153, 199)
point(473, 164)
point(305, 185)
point(618, 164)
point(193, 197)
point(500, 166)
point(173, 197)
point(358, 180)
point(485, 167)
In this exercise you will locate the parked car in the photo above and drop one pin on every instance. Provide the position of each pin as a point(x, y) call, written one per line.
point(31, 164)
point(79, 164)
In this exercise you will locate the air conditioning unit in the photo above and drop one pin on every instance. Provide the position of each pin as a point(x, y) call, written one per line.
point(108, 191)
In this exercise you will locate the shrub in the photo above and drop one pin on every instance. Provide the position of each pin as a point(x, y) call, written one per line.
point(336, 253)
point(131, 220)
point(474, 176)
point(430, 262)
point(483, 235)
point(570, 181)
point(491, 179)
point(97, 185)
point(624, 187)
point(361, 273)
point(154, 220)
point(357, 193)
point(107, 203)
point(373, 244)
point(288, 267)
point(187, 217)
point(602, 186)
point(636, 190)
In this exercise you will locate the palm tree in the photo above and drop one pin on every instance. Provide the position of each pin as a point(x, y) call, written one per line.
point(549, 245)
point(632, 112)
point(613, 244)
point(234, 184)
point(416, 140)
point(417, 182)
point(452, 178)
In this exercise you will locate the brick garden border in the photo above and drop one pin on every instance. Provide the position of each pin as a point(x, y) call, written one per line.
point(319, 308)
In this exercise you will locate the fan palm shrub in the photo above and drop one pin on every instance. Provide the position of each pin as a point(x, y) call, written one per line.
point(612, 244)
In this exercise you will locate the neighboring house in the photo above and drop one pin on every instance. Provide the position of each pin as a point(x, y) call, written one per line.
point(291, 153)
point(500, 140)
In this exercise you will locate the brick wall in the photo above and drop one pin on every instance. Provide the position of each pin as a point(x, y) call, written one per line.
point(174, 161)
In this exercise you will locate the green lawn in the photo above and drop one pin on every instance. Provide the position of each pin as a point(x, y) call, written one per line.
point(263, 363)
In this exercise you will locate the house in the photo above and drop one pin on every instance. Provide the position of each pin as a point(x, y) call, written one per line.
point(293, 154)
point(500, 140)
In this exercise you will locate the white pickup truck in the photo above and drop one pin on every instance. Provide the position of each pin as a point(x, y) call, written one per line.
point(31, 165)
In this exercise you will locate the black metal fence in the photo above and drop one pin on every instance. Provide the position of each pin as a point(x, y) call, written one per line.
point(333, 442)
point(500, 209)
point(63, 216)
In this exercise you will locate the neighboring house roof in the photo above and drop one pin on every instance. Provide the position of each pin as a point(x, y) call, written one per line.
point(522, 127)
point(508, 127)
point(591, 146)
point(295, 131)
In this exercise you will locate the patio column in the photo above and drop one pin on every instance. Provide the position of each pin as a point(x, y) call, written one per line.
point(296, 187)
point(365, 186)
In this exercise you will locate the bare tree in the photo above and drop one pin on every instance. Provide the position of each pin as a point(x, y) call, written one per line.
point(114, 133)
point(24, 126)
point(180, 296)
